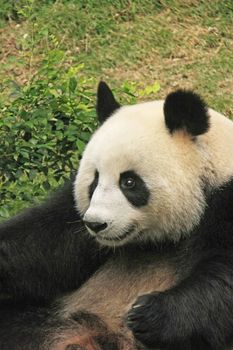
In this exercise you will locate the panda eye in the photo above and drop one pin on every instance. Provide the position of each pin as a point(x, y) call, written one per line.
point(128, 183)
point(134, 188)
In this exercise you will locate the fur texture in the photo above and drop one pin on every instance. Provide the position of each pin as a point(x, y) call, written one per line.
point(39, 246)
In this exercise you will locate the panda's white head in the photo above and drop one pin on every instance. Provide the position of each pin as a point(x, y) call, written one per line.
point(145, 171)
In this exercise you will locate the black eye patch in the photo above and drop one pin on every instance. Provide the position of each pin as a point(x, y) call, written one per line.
point(94, 184)
point(134, 188)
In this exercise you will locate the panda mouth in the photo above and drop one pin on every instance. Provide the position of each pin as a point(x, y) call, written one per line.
point(121, 237)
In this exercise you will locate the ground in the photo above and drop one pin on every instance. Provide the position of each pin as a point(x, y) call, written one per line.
point(175, 42)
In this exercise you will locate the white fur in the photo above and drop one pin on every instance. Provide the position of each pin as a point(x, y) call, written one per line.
point(172, 166)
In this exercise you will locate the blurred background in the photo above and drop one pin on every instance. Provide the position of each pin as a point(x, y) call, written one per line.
point(53, 53)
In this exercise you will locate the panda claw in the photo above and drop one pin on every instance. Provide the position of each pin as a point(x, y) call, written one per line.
point(135, 306)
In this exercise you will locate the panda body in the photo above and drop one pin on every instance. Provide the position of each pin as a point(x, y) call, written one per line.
point(107, 297)
point(155, 191)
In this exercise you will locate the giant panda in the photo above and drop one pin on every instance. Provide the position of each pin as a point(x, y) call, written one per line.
point(143, 233)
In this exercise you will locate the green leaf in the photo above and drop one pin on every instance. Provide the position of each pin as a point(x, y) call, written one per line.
point(72, 84)
point(81, 145)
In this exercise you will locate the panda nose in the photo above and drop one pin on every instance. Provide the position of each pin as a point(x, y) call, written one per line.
point(96, 226)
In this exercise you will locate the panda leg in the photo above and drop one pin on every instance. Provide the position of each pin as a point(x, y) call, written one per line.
point(86, 331)
point(33, 328)
point(29, 328)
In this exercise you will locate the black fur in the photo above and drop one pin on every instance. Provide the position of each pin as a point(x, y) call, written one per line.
point(197, 312)
point(46, 251)
point(106, 103)
point(27, 327)
point(23, 326)
point(139, 195)
point(186, 110)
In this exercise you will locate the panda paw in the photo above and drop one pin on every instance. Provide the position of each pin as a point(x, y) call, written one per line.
point(150, 321)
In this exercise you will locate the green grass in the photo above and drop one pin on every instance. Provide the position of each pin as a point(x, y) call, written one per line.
point(174, 42)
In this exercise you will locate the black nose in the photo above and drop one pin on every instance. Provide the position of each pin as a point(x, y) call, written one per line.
point(96, 226)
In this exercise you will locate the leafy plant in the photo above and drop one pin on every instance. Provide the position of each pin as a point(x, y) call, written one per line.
point(43, 129)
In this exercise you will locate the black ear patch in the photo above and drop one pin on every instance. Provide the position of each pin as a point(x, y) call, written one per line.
point(106, 103)
point(184, 109)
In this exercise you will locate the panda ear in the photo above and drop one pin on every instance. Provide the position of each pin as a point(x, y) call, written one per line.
point(106, 103)
point(186, 110)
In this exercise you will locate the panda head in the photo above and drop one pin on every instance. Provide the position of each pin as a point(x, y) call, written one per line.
point(145, 173)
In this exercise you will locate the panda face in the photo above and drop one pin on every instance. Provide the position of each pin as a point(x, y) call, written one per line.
point(144, 173)
point(138, 182)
